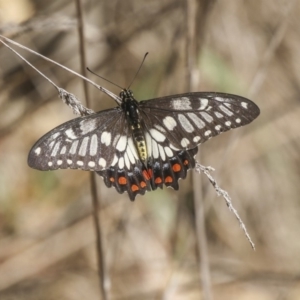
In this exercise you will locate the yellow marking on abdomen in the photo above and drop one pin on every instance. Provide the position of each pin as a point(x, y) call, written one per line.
point(140, 142)
point(142, 150)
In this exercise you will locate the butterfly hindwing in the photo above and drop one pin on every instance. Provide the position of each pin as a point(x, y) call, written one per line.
point(167, 172)
point(140, 179)
point(134, 181)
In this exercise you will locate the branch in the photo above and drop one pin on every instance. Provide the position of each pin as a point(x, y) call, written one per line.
point(68, 98)
point(220, 192)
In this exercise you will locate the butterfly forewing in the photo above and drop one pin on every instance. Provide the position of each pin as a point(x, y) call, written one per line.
point(188, 120)
point(87, 143)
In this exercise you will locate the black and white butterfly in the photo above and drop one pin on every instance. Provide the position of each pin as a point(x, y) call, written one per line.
point(140, 146)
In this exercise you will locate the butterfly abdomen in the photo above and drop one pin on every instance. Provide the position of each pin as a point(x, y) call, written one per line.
point(140, 143)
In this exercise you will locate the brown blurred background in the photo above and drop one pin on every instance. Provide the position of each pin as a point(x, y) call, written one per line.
point(47, 238)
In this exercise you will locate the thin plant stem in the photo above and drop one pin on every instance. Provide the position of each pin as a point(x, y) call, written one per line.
point(96, 215)
point(192, 49)
point(102, 89)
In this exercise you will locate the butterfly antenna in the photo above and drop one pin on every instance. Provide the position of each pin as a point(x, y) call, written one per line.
point(105, 79)
point(138, 70)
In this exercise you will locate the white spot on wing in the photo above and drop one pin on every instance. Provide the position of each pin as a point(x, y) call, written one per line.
point(37, 151)
point(206, 116)
point(225, 110)
point(106, 138)
point(74, 147)
point(169, 122)
point(155, 152)
point(218, 127)
point(130, 155)
point(161, 152)
point(132, 148)
point(94, 145)
point(69, 161)
point(203, 103)
point(91, 164)
point(121, 145)
point(228, 123)
point(55, 149)
point(196, 139)
point(218, 115)
point(168, 151)
point(160, 128)
point(59, 162)
point(185, 123)
point(63, 150)
point(102, 162)
point(51, 144)
point(127, 162)
point(55, 135)
point(181, 103)
point(88, 125)
point(115, 160)
point(83, 146)
point(50, 164)
point(238, 120)
point(158, 136)
point(184, 142)
point(220, 99)
point(174, 148)
point(79, 163)
point(117, 136)
point(121, 163)
point(245, 105)
point(148, 143)
point(207, 133)
point(199, 123)
point(71, 134)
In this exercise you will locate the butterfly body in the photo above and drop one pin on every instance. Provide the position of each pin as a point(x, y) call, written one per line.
point(140, 146)
point(130, 108)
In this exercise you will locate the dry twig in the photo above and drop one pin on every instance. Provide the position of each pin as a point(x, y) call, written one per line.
point(220, 192)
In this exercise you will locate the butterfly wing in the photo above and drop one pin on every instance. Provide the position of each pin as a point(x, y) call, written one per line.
point(93, 143)
point(175, 125)
point(184, 121)
point(140, 178)
point(100, 142)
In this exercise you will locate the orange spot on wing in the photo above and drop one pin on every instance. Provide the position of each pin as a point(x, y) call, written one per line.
point(134, 188)
point(122, 180)
point(186, 162)
point(158, 180)
point(143, 184)
point(176, 167)
point(111, 179)
point(168, 179)
point(147, 174)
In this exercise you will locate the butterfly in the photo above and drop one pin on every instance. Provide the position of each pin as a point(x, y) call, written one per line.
point(140, 146)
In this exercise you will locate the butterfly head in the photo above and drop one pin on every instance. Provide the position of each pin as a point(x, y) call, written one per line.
point(126, 94)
